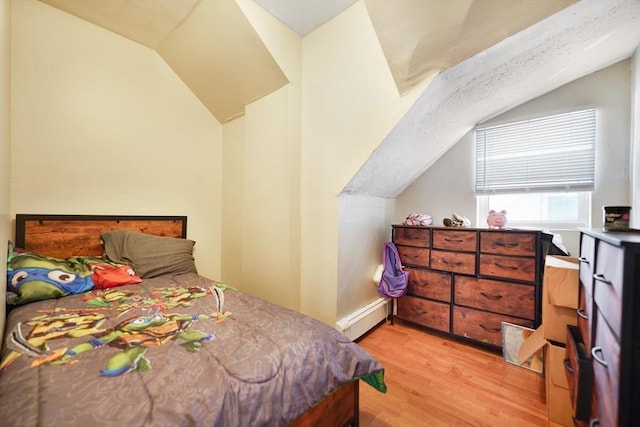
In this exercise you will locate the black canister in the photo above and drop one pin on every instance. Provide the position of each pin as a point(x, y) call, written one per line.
point(616, 218)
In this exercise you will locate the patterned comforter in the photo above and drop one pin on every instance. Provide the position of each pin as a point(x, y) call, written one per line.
point(171, 351)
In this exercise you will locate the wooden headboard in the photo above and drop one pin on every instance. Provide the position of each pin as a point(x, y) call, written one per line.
point(62, 236)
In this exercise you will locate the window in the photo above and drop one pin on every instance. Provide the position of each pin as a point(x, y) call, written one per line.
point(541, 171)
point(545, 210)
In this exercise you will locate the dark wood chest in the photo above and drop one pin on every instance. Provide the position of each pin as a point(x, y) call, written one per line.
point(466, 281)
point(606, 343)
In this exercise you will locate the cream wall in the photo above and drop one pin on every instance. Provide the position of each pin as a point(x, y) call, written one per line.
point(288, 159)
point(5, 148)
point(448, 185)
point(232, 231)
point(263, 231)
point(362, 231)
point(261, 179)
point(349, 104)
point(101, 125)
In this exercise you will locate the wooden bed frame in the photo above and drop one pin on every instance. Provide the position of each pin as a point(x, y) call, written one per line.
point(62, 236)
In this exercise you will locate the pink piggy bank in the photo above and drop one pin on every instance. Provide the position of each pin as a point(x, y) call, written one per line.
point(497, 219)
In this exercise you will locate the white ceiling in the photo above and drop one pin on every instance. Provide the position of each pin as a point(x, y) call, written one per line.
point(304, 16)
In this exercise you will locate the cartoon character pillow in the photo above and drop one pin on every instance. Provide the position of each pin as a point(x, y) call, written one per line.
point(34, 277)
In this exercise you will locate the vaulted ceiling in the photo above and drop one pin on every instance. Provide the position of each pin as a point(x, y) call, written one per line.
point(214, 49)
point(574, 42)
point(476, 59)
point(210, 45)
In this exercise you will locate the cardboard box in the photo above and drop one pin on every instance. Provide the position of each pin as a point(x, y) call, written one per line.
point(556, 386)
point(559, 408)
point(559, 304)
point(559, 297)
point(513, 336)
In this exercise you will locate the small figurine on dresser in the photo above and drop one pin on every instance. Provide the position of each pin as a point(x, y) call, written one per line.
point(421, 219)
point(456, 221)
point(497, 219)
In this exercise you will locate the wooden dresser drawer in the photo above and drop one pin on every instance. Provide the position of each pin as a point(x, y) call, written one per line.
point(587, 261)
point(607, 287)
point(605, 354)
point(414, 256)
point(508, 267)
point(499, 297)
point(585, 308)
point(579, 374)
point(609, 312)
point(508, 243)
point(408, 236)
point(429, 284)
point(446, 276)
point(455, 240)
point(456, 262)
point(427, 313)
point(482, 326)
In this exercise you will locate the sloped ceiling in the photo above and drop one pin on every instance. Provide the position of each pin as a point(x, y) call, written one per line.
point(147, 22)
point(422, 38)
point(482, 57)
point(575, 42)
point(210, 45)
point(219, 55)
point(214, 49)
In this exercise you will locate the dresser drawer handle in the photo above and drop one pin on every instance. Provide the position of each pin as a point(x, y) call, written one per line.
point(567, 366)
point(416, 310)
point(488, 329)
point(600, 278)
point(491, 297)
point(594, 422)
point(506, 245)
point(583, 259)
point(422, 284)
point(506, 267)
point(582, 314)
point(596, 353)
point(454, 264)
point(450, 240)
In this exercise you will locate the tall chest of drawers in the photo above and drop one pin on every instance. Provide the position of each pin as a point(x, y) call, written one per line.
point(609, 324)
point(465, 282)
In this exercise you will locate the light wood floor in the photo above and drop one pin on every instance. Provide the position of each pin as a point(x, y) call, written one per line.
point(433, 381)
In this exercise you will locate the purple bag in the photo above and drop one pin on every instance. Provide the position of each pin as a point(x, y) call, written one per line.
point(393, 283)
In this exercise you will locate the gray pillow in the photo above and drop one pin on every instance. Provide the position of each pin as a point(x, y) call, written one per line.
point(149, 255)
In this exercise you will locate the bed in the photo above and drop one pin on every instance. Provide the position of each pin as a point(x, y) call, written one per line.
point(158, 344)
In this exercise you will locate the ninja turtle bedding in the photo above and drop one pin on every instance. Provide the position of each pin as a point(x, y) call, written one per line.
point(171, 350)
point(35, 277)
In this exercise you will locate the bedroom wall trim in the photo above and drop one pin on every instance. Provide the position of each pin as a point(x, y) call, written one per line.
point(362, 320)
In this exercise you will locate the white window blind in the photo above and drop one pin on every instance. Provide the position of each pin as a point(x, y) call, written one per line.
point(554, 153)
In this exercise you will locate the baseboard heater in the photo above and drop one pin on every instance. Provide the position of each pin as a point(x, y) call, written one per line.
point(362, 320)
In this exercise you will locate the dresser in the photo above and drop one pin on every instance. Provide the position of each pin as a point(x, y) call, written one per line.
point(464, 282)
point(608, 395)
